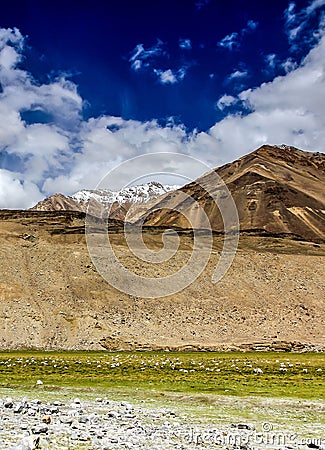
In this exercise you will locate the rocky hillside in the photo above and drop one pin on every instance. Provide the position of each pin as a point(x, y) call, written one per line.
point(52, 297)
point(277, 190)
point(58, 202)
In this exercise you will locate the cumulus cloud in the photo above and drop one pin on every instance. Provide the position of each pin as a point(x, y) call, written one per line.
point(289, 109)
point(226, 101)
point(16, 192)
point(39, 147)
point(107, 141)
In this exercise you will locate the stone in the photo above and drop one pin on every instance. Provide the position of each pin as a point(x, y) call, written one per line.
point(66, 420)
point(40, 429)
point(46, 419)
point(8, 403)
point(18, 408)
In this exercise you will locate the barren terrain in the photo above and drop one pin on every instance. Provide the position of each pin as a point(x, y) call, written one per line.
point(276, 189)
point(53, 298)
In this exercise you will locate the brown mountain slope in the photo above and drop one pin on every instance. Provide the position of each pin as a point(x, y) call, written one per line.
point(278, 190)
point(51, 296)
point(58, 202)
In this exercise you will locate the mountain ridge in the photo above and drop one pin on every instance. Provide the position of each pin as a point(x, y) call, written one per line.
point(272, 190)
point(118, 203)
point(277, 189)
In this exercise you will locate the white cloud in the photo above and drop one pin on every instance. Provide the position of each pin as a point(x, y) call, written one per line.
point(17, 193)
point(144, 57)
point(166, 76)
point(225, 101)
point(40, 147)
point(137, 64)
point(185, 44)
point(288, 65)
point(237, 74)
point(296, 22)
point(103, 149)
point(169, 76)
point(271, 60)
point(315, 4)
point(290, 14)
point(230, 41)
point(181, 73)
point(289, 109)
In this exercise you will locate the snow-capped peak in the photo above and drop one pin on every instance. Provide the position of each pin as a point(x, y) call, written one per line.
point(134, 194)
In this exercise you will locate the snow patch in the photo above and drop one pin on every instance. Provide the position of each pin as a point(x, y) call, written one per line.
point(134, 194)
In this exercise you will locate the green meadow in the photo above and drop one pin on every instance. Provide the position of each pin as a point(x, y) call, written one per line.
point(289, 375)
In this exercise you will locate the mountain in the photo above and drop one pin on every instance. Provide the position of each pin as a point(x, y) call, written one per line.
point(119, 202)
point(278, 190)
point(271, 298)
point(58, 202)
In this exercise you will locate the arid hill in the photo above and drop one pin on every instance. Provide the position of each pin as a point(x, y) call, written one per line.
point(277, 190)
point(53, 298)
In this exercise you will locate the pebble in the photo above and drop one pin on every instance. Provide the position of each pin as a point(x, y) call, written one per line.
point(8, 402)
point(107, 424)
point(46, 419)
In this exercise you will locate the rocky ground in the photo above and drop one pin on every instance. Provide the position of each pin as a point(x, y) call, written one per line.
point(101, 423)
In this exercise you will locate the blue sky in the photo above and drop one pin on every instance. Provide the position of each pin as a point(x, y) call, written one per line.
point(86, 85)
